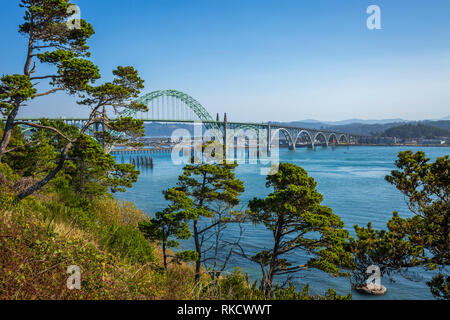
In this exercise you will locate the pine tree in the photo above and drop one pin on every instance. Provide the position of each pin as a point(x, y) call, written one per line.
point(169, 224)
point(117, 95)
point(420, 240)
point(209, 186)
point(295, 217)
point(52, 42)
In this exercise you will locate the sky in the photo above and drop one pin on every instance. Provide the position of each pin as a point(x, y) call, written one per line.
point(266, 60)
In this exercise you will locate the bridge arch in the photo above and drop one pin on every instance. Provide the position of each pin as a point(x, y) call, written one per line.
point(323, 136)
point(335, 138)
point(345, 138)
point(307, 134)
point(172, 105)
point(286, 134)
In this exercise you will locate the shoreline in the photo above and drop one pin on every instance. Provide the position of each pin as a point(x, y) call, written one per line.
point(169, 149)
point(403, 145)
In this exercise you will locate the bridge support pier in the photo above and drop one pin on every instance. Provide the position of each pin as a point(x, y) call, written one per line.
point(225, 137)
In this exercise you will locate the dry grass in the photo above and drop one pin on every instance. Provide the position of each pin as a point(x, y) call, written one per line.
point(35, 253)
point(119, 212)
point(22, 184)
point(3, 180)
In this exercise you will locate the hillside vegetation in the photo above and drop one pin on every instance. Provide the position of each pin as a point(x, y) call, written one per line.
point(418, 130)
point(367, 128)
point(41, 236)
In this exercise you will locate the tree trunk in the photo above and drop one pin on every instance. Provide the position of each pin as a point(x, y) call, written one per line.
point(267, 287)
point(198, 247)
point(9, 126)
point(49, 177)
point(274, 260)
point(198, 250)
point(105, 121)
point(26, 68)
point(164, 255)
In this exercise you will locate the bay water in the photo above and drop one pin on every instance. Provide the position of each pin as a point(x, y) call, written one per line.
point(351, 180)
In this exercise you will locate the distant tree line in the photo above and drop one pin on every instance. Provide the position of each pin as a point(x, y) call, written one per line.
point(417, 130)
point(368, 129)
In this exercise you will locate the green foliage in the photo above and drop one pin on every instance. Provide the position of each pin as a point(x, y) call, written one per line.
point(294, 215)
point(122, 239)
point(169, 224)
point(128, 242)
point(208, 187)
point(7, 177)
point(440, 286)
point(92, 171)
point(386, 249)
point(186, 256)
point(45, 22)
point(14, 88)
point(420, 240)
point(426, 186)
point(292, 293)
point(74, 208)
point(39, 152)
point(208, 184)
point(8, 173)
point(50, 41)
point(419, 130)
point(45, 244)
point(236, 286)
point(118, 94)
point(45, 26)
point(74, 73)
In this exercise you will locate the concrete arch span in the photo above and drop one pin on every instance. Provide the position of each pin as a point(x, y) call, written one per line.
point(321, 134)
point(286, 134)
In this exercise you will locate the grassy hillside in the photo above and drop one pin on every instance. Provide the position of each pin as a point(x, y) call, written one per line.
point(43, 235)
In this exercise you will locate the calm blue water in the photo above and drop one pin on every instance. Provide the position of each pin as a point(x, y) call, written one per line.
point(352, 182)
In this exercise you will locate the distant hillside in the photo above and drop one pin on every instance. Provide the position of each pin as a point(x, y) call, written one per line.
point(418, 130)
point(361, 128)
point(443, 124)
point(364, 128)
point(157, 130)
point(352, 121)
point(376, 129)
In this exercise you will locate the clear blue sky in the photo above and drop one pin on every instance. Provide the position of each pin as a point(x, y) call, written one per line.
point(267, 60)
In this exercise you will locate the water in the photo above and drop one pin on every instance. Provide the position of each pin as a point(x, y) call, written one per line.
point(352, 182)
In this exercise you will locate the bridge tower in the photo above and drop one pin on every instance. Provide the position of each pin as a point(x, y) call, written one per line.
point(225, 135)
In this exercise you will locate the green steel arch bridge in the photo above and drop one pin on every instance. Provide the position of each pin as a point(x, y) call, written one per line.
point(178, 107)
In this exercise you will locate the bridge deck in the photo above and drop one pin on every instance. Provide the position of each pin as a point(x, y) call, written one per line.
point(254, 124)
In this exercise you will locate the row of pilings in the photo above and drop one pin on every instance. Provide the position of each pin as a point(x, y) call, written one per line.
point(140, 161)
point(139, 157)
point(141, 151)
